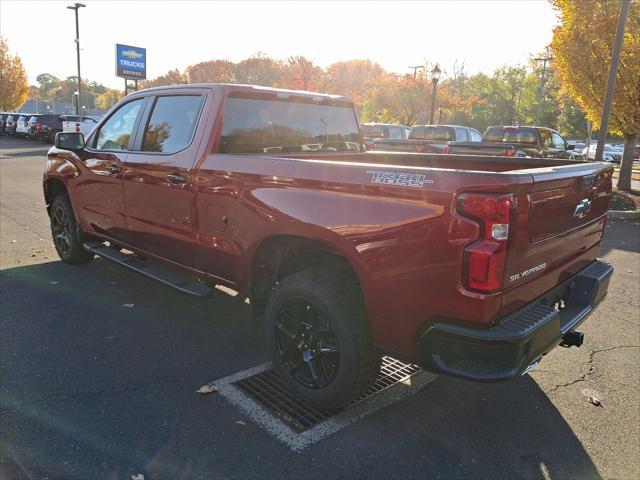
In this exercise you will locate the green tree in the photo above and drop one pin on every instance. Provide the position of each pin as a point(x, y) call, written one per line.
point(582, 46)
point(47, 85)
point(14, 87)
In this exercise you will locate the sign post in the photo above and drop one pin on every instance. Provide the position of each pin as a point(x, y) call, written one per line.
point(131, 64)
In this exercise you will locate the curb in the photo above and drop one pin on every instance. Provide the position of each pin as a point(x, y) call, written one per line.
point(624, 214)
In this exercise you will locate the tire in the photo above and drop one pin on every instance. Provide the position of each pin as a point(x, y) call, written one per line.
point(67, 237)
point(338, 347)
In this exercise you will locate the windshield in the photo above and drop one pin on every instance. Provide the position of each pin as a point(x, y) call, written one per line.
point(253, 125)
point(441, 134)
point(515, 135)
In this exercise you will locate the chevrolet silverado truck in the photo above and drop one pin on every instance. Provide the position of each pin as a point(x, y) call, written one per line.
point(470, 266)
point(518, 141)
point(428, 139)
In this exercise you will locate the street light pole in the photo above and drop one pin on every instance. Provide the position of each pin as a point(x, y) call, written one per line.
point(76, 7)
point(435, 76)
point(611, 83)
point(542, 96)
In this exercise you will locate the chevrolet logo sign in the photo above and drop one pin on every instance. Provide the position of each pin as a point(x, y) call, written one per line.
point(131, 54)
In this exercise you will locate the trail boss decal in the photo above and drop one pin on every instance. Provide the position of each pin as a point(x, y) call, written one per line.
point(526, 273)
point(401, 179)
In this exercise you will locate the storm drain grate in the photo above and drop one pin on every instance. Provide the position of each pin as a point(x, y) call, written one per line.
point(267, 389)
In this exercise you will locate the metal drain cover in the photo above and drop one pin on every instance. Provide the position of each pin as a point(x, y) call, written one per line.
point(266, 389)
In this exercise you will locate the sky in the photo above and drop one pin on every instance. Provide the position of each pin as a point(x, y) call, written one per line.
point(484, 35)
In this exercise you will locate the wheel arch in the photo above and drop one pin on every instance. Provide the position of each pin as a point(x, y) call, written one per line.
point(52, 188)
point(281, 255)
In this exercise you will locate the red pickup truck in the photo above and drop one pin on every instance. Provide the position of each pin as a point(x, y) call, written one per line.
point(470, 266)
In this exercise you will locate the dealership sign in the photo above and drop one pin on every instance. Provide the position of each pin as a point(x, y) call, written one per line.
point(131, 62)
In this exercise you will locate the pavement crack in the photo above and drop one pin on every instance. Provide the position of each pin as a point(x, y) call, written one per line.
point(591, 367)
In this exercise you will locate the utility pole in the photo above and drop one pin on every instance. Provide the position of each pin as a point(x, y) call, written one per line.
point(611, 82)
point(541, 95)
point(76, 7)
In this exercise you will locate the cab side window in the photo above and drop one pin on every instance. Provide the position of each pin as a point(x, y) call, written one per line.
point(545, 137)
point(395, 132)
point(116, 133)
point(172, 123)
point(558, 141)
point(461, 134)
point(474, 136)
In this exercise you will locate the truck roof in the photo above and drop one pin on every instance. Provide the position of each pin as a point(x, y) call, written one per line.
point(233, 87)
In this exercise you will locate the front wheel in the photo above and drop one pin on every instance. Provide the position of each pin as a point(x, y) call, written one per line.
point(67, 237)
point(318, 337)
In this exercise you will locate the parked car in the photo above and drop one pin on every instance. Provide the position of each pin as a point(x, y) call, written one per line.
point(3, 119)
point(22, 125)
point(44, 127)
point(72, 123)
point(518, 141)
point(609, 154)
point(10, 124)
point(471, 266)
point(372, 131)
point(429, 139)
point(31, 123)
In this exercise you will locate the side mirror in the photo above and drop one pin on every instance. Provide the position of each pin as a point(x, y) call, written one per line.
point(69, 140)
point(571, 147)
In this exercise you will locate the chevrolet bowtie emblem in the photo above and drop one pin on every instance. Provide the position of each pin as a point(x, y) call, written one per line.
point(582, 209)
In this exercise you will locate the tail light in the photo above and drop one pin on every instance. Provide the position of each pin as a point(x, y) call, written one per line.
point(445, 149)
point(484, 260)
point(420, 148)
point(77, 128)
point(509, 152)
point(38, 126)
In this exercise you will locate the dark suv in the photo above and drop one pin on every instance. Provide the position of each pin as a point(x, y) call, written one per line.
point(44, 127)
point(3, 119)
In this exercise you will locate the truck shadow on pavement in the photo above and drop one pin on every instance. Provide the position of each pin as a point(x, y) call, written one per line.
point(100, 366)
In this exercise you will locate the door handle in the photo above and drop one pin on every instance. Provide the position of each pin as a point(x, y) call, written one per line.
point(176, 178)
point(114, 169)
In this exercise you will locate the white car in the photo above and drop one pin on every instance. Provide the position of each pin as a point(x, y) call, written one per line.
point(22, 126)
point(610, 153)
point(72, 123)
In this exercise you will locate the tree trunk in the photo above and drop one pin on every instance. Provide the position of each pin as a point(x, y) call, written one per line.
point(624, 178)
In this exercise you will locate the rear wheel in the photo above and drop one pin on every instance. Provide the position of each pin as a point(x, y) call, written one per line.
point(67, 237)
point(318, 337)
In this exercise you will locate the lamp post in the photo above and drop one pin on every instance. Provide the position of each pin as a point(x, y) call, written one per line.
point(435, 76)
point(415, 71)
point(76, 7)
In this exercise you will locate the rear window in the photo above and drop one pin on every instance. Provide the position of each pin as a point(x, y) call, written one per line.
point(440, 134)
point(515, 135)
point(373, 131)
point(252, 125)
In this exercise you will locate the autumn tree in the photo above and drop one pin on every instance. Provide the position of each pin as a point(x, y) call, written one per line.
point(259, 70)
point(108, 98)
point(212, 71)
point(299, 73)
point(14, 87)
point(353, 78)
point(172, 77)
point(582, 46)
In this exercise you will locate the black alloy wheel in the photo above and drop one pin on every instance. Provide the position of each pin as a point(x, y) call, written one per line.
point(307, 345)
point(61, 230)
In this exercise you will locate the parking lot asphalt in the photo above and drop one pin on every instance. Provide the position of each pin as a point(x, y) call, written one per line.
point(99, 369)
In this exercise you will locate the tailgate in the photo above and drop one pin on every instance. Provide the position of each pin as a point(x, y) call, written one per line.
point(559, 226)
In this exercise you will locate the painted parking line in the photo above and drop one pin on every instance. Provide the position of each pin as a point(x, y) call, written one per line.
point(298, 441)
